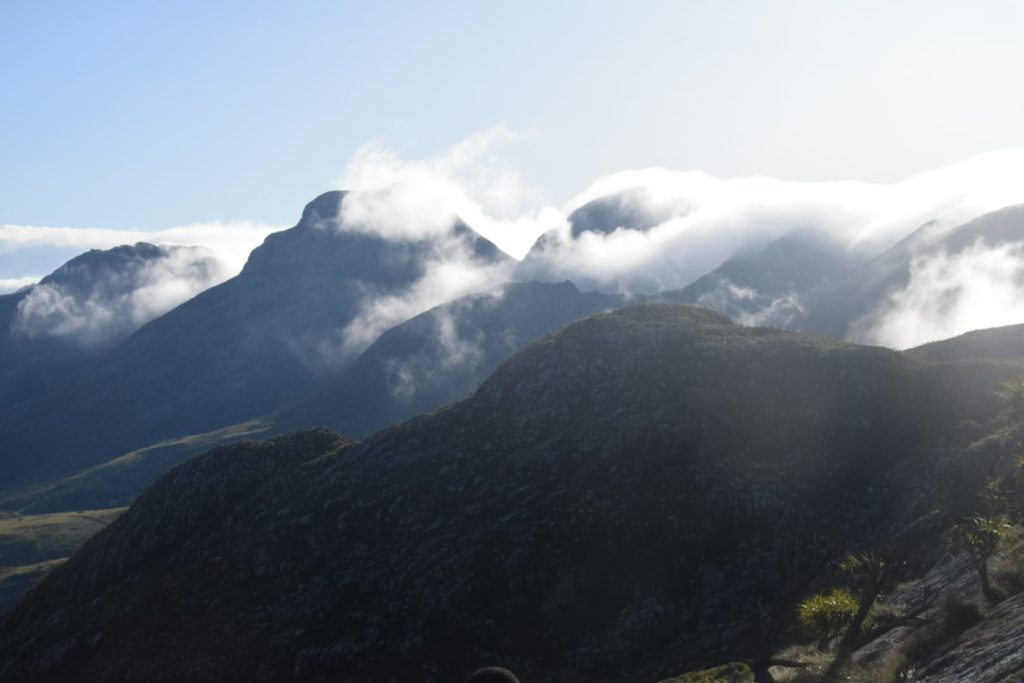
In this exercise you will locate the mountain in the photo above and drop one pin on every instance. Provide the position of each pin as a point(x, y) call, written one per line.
point(256, 343)
point(847, 306)
point(809, 281)
point(633, 209)
point(32, 545)
point(88, 305)
point(435, 358)
point(442, 355)
point(418, 366)
point(997, 343)
point(42, 524)
point(766, 285)
point(611, 504)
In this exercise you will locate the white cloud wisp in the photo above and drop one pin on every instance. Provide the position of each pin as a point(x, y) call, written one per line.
point(95, 305)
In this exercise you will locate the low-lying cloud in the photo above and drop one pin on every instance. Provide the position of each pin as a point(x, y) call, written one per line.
point(450, 270)
point(704, 221)
point(948, 294)
point(454, 350)
point(97, 304)
point(747, 306)
point(724, 215)
point(402, 199)
point(692, 222)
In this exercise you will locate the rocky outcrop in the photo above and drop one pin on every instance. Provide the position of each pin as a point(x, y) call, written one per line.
point(990, 652)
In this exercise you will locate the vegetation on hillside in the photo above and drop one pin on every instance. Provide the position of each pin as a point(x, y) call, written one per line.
point(647, 492)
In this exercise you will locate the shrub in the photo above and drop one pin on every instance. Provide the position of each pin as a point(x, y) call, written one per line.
point(958, 615)
point(823, 616)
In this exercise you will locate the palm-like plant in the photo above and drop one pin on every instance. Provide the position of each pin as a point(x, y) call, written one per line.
point(979, 538)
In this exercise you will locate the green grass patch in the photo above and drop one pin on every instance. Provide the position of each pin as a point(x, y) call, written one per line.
point(118, 481)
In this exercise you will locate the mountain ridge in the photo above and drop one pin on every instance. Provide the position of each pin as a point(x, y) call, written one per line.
point(615, 452)
point(236, 351)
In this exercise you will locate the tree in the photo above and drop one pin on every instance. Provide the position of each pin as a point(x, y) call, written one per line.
point(769, 625)
point(996, 496)
point(825, 615)
point(798, 559)
point(870, 572)
point(979, 537)
point(1011, 400)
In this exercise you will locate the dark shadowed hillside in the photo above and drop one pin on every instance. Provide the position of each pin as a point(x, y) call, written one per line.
point(442, 355)
point(609, 505)
point(435, 358)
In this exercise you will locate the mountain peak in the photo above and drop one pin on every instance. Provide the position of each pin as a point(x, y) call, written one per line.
point(324, 207)
point(320, 241)
point(635, 208)
point(89, 263)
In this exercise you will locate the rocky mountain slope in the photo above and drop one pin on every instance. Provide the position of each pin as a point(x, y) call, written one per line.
point(32, 545)
point(273, 337)
point(767, 285)
point(442, 355)
point(611, 504)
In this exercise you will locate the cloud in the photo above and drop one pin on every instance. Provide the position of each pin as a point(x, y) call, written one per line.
point(949, 294)
point(231, 241)
point(419, 203)
point(747, 306)
point(450, 270)
point(723, 215)
point(13, 284)
point(97, 303)
point(697, 221)
point(706, 219)
point(454, 350)
point(401, 199)
point(700, 221)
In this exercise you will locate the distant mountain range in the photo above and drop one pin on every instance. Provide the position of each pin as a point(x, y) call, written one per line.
point(250, 346)
point(275, 342)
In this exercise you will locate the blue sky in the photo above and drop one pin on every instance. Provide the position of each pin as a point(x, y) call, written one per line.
point(152, 115)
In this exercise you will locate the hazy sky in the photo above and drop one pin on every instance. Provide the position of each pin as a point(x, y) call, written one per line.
point(154, 115)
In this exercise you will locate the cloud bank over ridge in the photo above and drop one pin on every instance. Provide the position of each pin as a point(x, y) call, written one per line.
point(691, 223)
point(94, 301)
point(701, 221)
